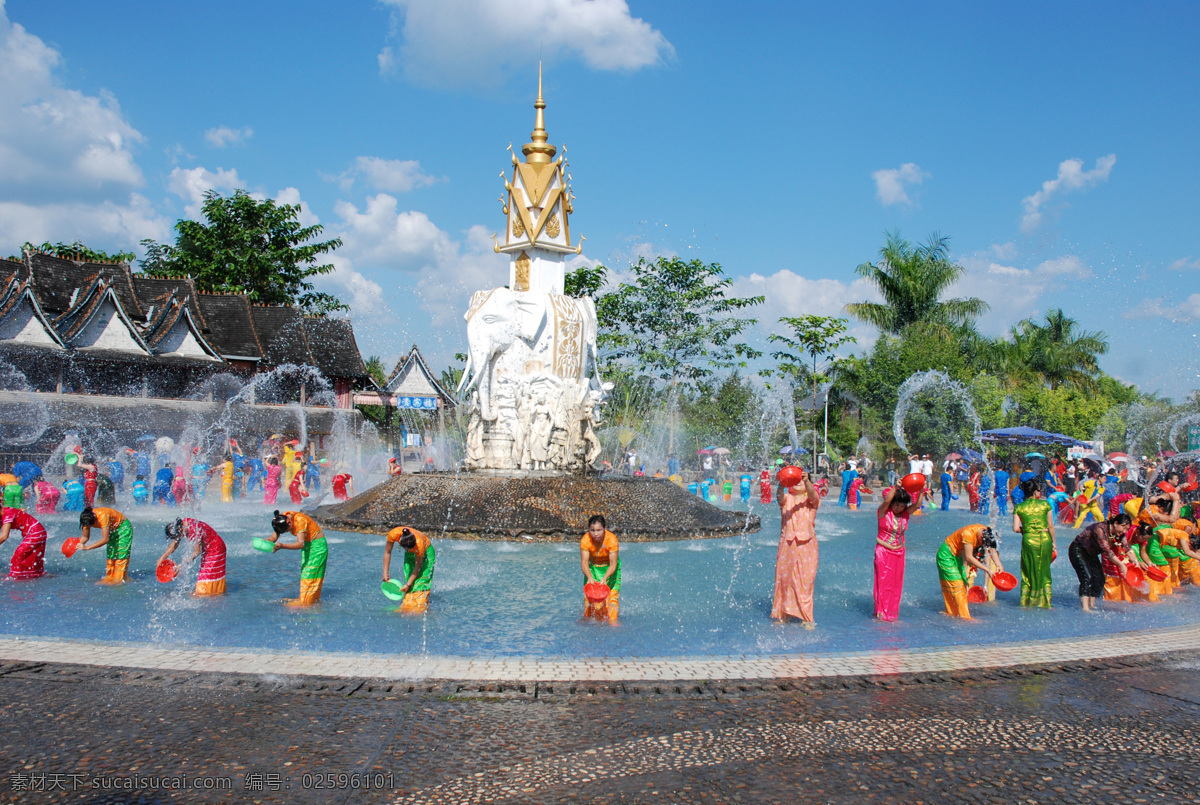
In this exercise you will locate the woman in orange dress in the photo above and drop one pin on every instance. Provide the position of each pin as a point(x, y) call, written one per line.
point(599, 559)
point(796, 557)
point(419, 559)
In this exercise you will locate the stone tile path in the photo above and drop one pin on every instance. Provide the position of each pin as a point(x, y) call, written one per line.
point(600, 669)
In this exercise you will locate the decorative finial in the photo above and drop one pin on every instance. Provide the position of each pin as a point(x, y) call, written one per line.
point(539, 151)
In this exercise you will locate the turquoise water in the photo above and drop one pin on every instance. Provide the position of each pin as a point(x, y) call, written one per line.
point(709, 597)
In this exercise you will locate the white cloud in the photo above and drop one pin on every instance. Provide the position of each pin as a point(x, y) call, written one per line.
point(1187, 310)
point(223, 136)
point(891, 184)
point(67, 168)
point(460, 42)
point(790, 294)
point(290, 195)
point(388, 175)
point(1071, 177)
point(1185, 263)
point(190, 184)
point(95, 223)
point(1013, 293)
point(448, 271)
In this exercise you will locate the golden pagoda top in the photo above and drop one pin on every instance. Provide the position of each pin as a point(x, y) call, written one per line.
point(539, 151)
point(539, 197)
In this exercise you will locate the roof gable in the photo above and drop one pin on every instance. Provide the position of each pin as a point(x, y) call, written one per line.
point(22, 320)
point(99, 321)
point(175, 332)
point(412, 377)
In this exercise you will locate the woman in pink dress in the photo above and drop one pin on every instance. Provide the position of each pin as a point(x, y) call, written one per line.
point(796, 558)
point(271, 485)
point(28, 560)
point(209, 547)
point(893, 512)
point(47, 495)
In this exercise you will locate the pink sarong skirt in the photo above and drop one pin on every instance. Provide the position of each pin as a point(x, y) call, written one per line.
point(889, 582)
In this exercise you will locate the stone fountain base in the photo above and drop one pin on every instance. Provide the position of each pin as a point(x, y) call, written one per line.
point(540, 509)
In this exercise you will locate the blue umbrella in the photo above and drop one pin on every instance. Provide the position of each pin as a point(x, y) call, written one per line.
point(783, 451)
point(800, 451)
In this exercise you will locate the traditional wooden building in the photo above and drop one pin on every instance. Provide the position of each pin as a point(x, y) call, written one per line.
point(99, 329)
point(102, 329)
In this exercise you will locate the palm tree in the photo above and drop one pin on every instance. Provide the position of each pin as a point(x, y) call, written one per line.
point(911, 279)
point(1055, 353)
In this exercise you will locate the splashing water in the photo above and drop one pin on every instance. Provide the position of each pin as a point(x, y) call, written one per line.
point(935, 382)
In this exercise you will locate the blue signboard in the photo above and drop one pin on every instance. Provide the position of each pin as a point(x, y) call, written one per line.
point(422, 403)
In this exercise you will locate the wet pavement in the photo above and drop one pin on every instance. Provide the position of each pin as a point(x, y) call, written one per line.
point(1119, 730)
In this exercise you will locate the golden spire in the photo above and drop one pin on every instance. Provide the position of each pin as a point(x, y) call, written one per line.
point(539, 151)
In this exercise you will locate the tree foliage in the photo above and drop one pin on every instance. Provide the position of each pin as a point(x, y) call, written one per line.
point(1055, 353)
point(77, 251)
point(586, 281)
point(248, 246)
point(911, 280)
point(674, 321)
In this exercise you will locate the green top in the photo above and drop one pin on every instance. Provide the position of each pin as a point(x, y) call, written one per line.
point(1032, 513)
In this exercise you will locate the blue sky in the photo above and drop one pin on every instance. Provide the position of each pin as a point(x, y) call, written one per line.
point(1054, 143)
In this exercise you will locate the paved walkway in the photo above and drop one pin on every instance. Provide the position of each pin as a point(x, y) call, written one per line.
point(1113, 731)
point(535, 669)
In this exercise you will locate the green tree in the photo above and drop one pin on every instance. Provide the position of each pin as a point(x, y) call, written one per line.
point(1054, 353)
point(585, 281)
point(674, 321)
point(911, 280)
point(816, 337)
point(375, 368)
point(78, 251)
point(717, 410)
point(258, 248)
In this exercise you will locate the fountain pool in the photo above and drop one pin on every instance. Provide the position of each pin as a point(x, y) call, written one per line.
point(700, 597)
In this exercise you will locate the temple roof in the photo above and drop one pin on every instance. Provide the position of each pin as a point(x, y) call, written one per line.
point(281, 333)
point(232, 332)
point(21, 317)
point(412, 377)
point(105, 311)
point(175, 332)
point(337, 355)
point(153, 292)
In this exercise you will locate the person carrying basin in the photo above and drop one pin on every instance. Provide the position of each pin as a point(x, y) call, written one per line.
point(419, 558)
point(893, 513)
point(310, 541)
point(965, 550)
point(209, 547)
point(601, 564)
point(116, 537)
point(796, 556)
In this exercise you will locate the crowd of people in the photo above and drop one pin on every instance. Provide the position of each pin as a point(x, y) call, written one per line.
point(1133, 548)
point(175, 477)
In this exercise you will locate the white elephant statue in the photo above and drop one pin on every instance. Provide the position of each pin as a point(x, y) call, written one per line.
point(525, 332)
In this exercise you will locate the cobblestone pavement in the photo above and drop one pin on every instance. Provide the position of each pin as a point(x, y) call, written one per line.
point(1119, 730)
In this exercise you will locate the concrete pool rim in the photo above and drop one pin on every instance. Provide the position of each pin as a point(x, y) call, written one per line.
point(424, 667)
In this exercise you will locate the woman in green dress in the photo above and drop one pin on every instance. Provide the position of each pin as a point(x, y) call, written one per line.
point(1033, 519)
